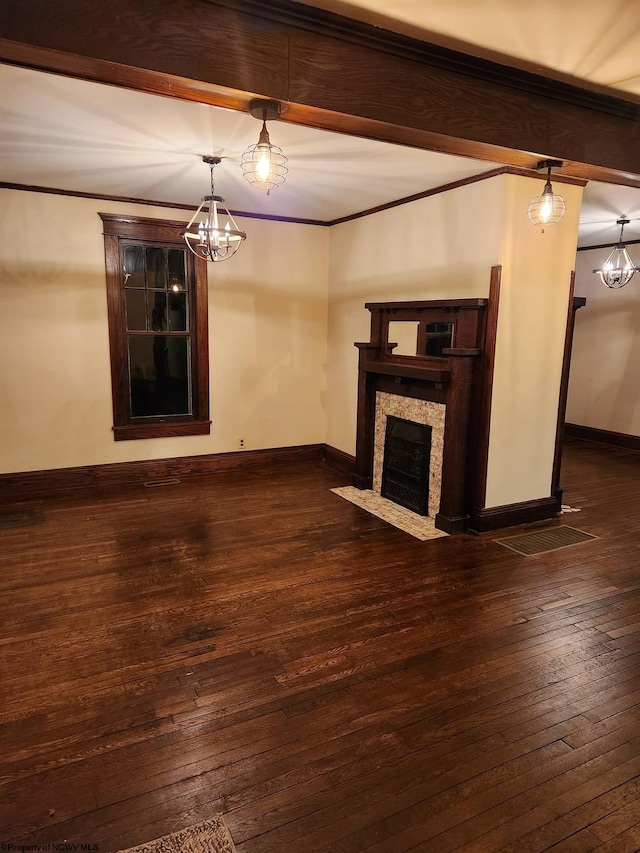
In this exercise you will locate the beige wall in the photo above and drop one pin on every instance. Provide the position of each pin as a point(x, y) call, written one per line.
point(534, 299)
point(444, 247)
point(604, 383)
point(441, 247)
point(284, 315)
point(267, 338)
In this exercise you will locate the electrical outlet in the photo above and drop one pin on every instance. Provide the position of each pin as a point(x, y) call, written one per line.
point(241, 443)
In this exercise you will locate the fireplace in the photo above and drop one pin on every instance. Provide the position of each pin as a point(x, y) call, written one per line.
point(405, 465)
point(432, 362)
point(440, 389)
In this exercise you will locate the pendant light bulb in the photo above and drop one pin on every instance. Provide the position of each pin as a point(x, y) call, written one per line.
point(548, 207)
point(263, 164)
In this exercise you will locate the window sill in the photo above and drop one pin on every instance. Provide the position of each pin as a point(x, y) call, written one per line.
point(161, 430)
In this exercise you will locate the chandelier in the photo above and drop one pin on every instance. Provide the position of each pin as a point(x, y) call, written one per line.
point(548, 207)
point(263, 164)
point(618, 269)
point(216, 237)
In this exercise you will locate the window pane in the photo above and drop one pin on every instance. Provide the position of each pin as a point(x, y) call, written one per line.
point(133, 266)
point(177, 269)
point(177, 312)
point(136, 310)
point(156, 270)
point(157, 308)
point(159, 375)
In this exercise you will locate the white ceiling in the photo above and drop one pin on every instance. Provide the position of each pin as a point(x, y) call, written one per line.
point(87, 137)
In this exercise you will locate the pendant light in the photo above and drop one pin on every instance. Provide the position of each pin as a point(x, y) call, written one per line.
point(548, 207)
point(618, 269)
point(216, 237)
point(263, 164)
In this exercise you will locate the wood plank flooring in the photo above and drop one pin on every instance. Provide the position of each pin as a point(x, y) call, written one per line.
point(253, 645)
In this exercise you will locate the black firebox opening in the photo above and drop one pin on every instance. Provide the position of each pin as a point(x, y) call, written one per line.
point(405, 466)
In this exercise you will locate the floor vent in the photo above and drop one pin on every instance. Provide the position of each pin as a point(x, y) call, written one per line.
point(549, 539)
point(168, 481)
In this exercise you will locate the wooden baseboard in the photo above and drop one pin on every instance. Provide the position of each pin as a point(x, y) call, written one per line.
point(338, 459)
point(496, 517)
point(451, 524)
point(603, 436)
point(30, 485)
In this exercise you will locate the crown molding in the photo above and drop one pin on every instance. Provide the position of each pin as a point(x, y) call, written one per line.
point(6, 185)
point(607, 245)
point(443, 188)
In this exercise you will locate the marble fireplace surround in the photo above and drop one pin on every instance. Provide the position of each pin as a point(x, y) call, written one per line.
point(420, 412)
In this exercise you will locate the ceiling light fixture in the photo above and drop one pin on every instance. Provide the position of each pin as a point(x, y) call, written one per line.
point(263, 164)
point(548, 207)
point(618, 269)
point(217, 236)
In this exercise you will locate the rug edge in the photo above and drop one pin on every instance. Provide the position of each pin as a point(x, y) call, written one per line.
point(216, 823)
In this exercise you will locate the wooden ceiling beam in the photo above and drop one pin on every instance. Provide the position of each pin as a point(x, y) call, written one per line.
point(331, 73)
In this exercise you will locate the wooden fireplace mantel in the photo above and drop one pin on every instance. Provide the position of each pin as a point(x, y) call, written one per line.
point(447, 378)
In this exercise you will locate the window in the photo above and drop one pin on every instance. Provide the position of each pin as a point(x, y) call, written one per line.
point(157, 304)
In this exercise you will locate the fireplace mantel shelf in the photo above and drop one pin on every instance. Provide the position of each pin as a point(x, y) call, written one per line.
point(440, 376)
point(425, 306)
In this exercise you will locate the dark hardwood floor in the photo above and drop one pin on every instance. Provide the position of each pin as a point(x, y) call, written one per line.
point(250, 644)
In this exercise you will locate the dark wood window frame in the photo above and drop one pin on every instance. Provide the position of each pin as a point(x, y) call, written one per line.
point(118, 230)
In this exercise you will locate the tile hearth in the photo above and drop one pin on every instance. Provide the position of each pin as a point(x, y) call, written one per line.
point(419, 526)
